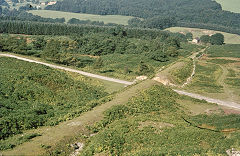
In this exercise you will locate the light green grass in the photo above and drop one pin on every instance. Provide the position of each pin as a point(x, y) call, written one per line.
point(229, 38)
point(117, 19)
point(230, 5)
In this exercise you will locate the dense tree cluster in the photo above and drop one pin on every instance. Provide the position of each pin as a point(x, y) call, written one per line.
point(88, 22)
point(154, 12)
point(39, 28)
point(216, 39)
point(94, 44)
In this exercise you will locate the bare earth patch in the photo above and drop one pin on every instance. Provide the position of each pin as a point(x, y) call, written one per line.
point(157, 125)
point(228, 111)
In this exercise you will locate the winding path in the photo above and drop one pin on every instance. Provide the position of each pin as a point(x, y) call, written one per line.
point(70, 70)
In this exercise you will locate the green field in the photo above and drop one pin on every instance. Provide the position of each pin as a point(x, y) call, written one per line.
point(224, 51)
point(229, 38)
point(230, 5)
point(117, 19)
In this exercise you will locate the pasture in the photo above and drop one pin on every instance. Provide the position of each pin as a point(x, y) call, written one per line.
point(230, 5)
point(229, 38)
point(117, 19)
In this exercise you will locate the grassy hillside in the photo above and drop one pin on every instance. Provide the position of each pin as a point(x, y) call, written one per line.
point(229, 38)
point(218, 73)
point(117, 19)
point(230, 5)
point(224, 51)
point(153, 123)
point(33, 95)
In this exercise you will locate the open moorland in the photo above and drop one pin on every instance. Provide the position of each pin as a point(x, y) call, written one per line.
point(229, 38)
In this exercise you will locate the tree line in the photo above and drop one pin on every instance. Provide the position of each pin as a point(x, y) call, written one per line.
point(185, 12)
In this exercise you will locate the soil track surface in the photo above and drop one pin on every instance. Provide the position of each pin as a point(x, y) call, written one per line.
point(71, 70)
point(211, 100)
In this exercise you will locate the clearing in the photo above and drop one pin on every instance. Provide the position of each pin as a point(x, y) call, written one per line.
point(229, 38)
point(117, 19)
point(230, 5)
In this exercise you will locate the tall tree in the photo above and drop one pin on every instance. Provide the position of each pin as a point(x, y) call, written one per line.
point(217, 39)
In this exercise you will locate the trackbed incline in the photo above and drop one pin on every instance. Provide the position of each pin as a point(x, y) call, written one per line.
point(211, 100)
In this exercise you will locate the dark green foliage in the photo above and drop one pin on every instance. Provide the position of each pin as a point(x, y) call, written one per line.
point(217, 39)
point(17, 45)
point(126, 70)
point(143, 69)
point(88, 22)
point(98, 63)
point(33, 95)
point(158, 56)
point(205, 39)
point(39, 43)
point(159, 13)
point(189, 36)
point(51, 50)
point(234, 82)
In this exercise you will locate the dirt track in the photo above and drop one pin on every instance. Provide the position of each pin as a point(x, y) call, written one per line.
point(219, 102)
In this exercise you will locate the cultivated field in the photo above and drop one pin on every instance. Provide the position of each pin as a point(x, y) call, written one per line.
point(117, 19)
point(230, 5)
point(229, 38)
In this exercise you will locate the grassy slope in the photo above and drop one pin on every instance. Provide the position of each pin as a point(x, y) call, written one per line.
point(224, 51)
point(57, 136)
point(34, 95)
point(148, 125)
point(229, 38)
point(230, 5)
point(218, 73)
point(117, 19)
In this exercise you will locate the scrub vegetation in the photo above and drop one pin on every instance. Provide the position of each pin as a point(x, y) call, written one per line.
point(33, 95)
point(156, 118)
